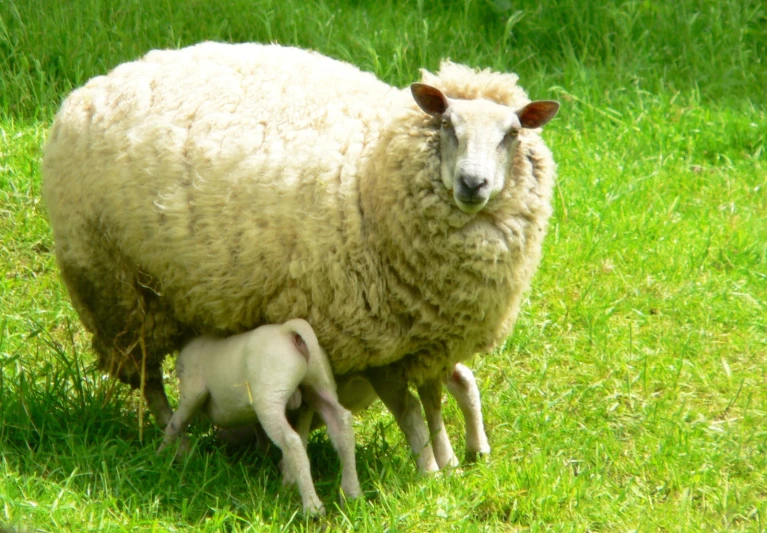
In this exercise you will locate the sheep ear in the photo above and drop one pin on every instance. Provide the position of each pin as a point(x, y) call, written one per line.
point(536, 114)
point(429, 98)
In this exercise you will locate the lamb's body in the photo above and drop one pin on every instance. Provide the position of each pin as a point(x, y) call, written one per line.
point(216, 188)
point(252, 377)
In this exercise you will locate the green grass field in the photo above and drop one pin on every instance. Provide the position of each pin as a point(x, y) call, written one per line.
point(633, 393)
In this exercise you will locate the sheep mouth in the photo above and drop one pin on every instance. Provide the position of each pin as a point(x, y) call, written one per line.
point(470, 205)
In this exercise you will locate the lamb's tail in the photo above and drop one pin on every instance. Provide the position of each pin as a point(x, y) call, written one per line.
point(319, 373)
point(303, 337)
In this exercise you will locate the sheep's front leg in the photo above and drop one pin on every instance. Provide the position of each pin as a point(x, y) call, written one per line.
point(391, 387)
point(339, 422)
point(463, 387)
point(430, 393)
point(157, 400)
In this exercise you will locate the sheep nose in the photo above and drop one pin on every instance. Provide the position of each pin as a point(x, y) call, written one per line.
point(472, 184)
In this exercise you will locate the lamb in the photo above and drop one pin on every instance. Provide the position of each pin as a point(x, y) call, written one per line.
point(254, 377)
point(216, 188)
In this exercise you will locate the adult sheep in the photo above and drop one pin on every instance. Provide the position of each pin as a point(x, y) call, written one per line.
point(209, 190)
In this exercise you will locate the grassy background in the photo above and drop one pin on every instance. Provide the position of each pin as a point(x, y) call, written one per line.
point(632, 395)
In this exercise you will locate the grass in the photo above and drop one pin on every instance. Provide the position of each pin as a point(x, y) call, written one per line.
point(632, 395)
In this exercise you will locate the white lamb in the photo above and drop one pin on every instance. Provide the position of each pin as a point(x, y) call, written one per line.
point(253, 377)
point(216, 188)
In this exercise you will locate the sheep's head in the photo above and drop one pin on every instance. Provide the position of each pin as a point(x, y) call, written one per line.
point(478, 139)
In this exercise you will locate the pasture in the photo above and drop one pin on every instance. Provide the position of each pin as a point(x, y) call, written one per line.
point(632, 395)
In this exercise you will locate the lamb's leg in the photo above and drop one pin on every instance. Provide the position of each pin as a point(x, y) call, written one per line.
point(192, 398)
point(303, 423)
point(293, 454)
point(339, 422)
point(430, 393)
point(391, 387)
point(463, 387)
point(157, 400)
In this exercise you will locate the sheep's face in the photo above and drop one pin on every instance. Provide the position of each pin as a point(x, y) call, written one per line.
point(478, 139)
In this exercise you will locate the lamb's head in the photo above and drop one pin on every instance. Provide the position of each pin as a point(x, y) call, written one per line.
point(478, 139)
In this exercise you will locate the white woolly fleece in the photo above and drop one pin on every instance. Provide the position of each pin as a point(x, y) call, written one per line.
point(219, 187)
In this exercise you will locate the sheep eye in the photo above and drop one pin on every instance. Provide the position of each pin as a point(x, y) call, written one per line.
point(509, 137)
point(448, 130)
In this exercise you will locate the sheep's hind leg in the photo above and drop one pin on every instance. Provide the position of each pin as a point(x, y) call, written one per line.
point(463, 387)
point(430, 393)
point(391, 387)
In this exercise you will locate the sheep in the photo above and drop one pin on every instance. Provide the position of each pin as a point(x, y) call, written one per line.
point(212, 189)
point(255, 376)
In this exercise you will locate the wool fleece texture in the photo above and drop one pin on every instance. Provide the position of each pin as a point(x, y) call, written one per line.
point(213, 189)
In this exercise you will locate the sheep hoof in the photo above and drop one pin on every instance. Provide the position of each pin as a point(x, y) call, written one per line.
point(473, 456)
point(451, 463)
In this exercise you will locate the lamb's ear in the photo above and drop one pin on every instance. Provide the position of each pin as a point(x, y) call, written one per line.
point(536, 114)
point(429, 98)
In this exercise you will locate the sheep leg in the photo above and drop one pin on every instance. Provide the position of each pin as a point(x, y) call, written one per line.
point(157, 400)
point(463, 387)
point(339, 422)
point(293, 453)
point(394, 393)
point(430, 393)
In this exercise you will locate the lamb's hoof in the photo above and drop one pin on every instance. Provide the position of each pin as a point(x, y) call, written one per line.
point(351, 493)
point(350, 498)
point(184, 447)
point(314, 509)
